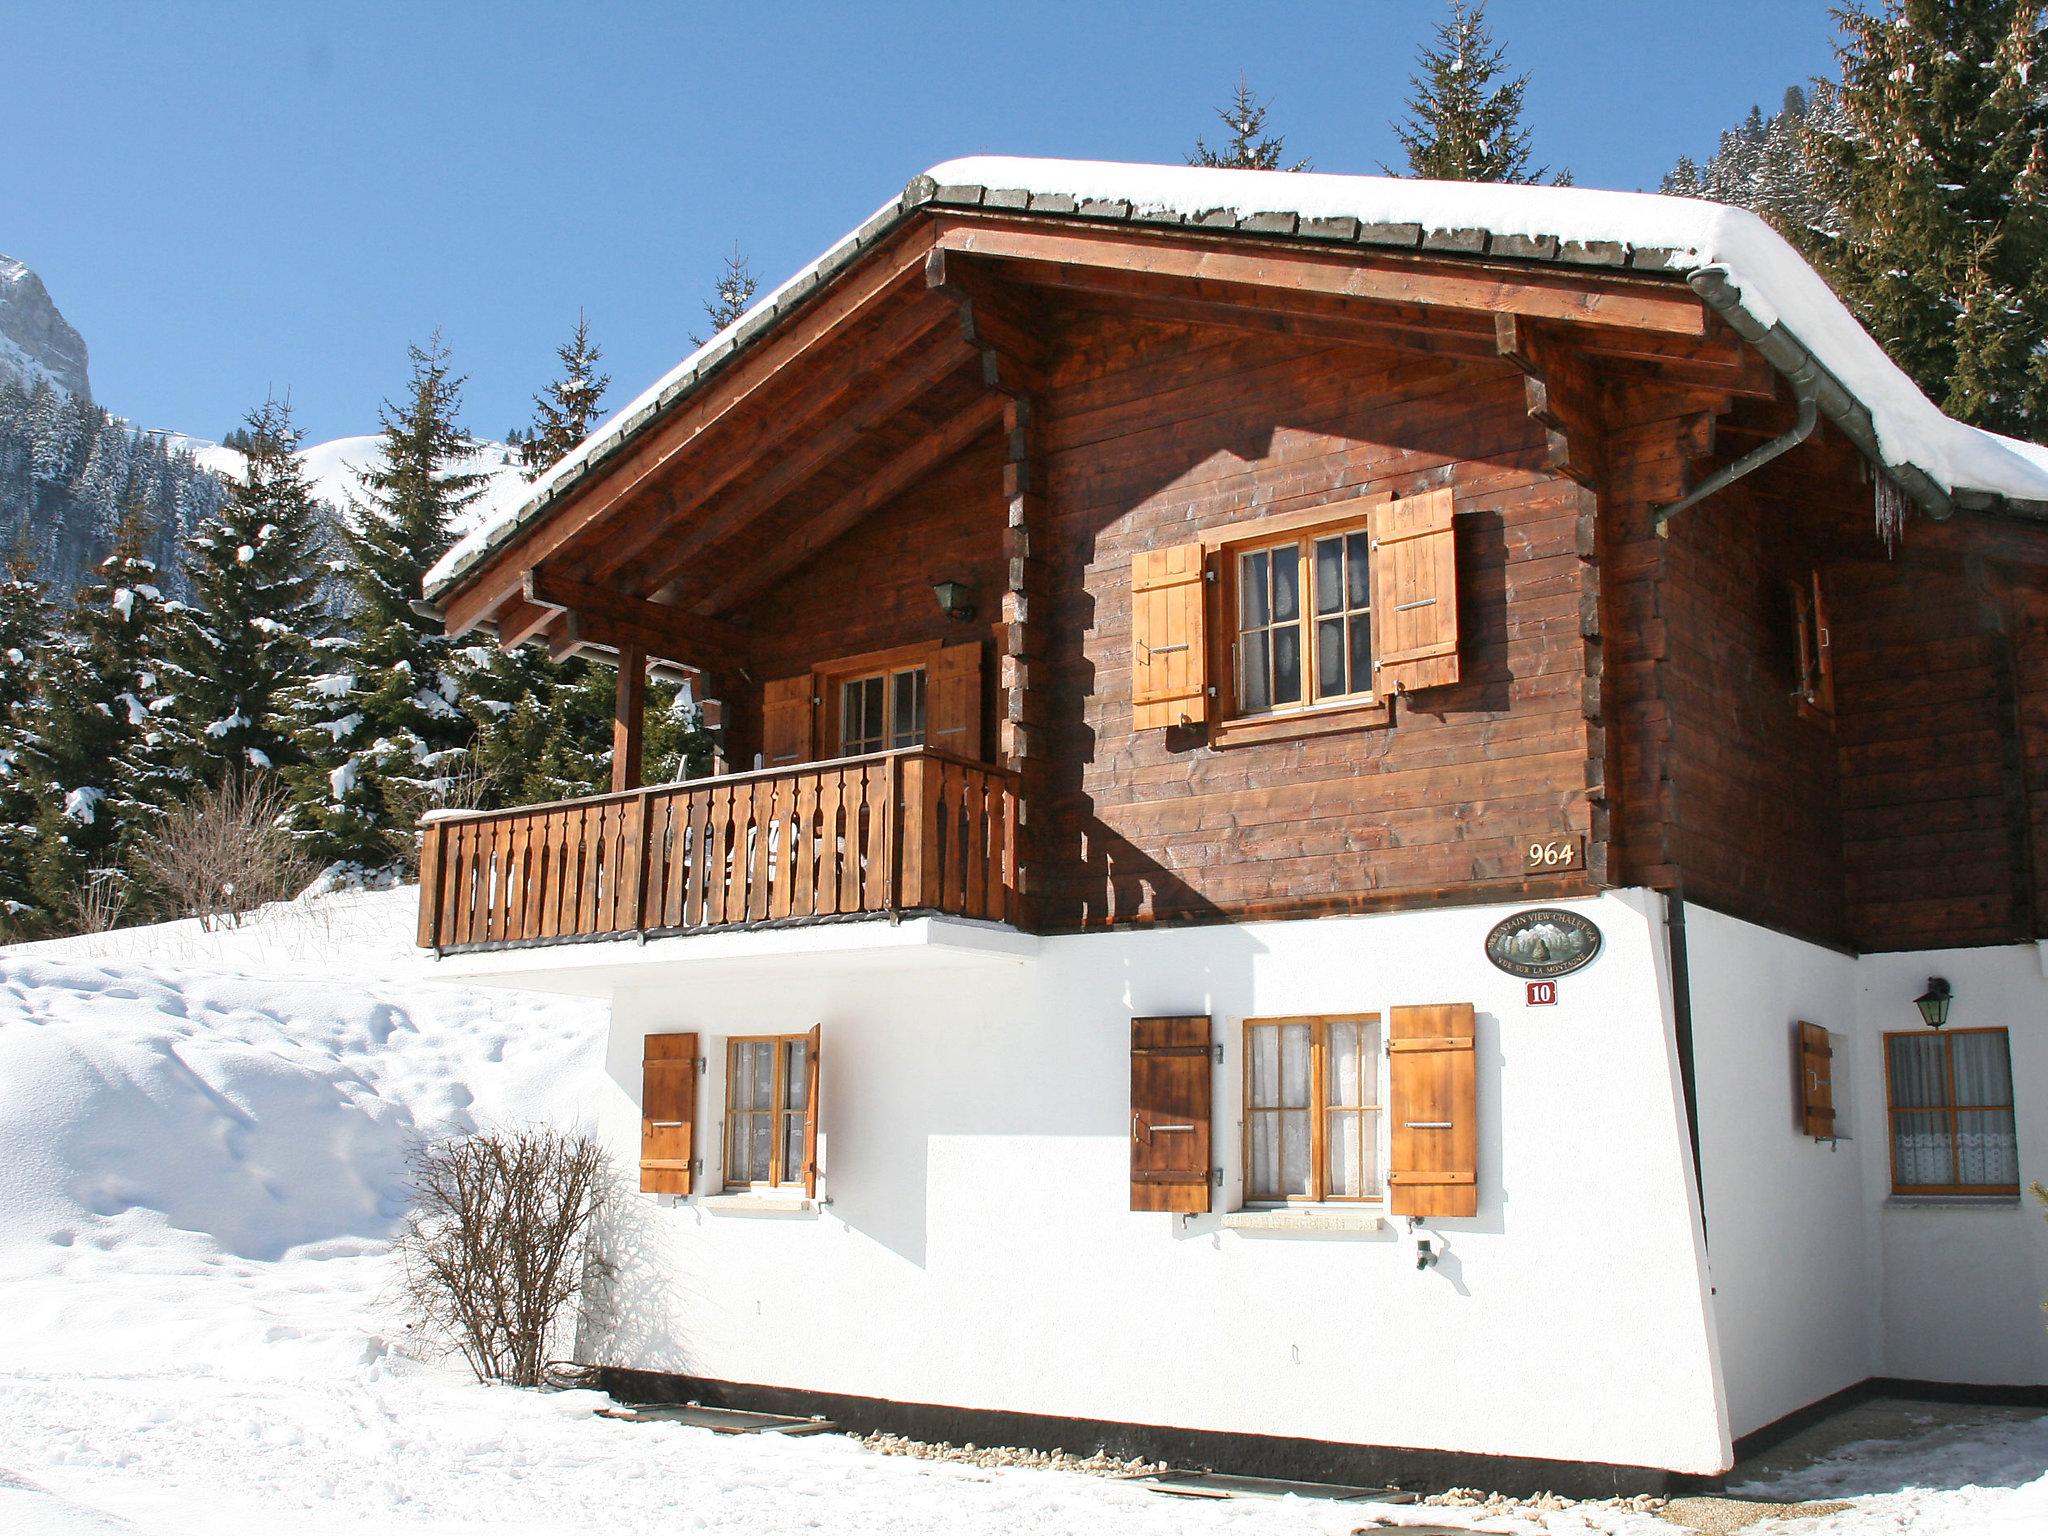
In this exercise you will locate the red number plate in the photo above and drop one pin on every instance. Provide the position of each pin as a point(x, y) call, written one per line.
point(1542, 993)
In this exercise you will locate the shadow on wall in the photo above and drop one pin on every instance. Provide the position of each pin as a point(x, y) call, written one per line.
point(628, 1309)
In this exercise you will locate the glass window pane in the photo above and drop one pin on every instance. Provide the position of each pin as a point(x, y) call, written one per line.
point(1254, 687)
point(1287, 665)
point(1263, 1042)
point(1986, 1149)
point(1361, 653)
point(1921, 1151)
point(1294, 1065)
point(795, 1072)
point(1983, 1067)
point(1919, 1071)
point(792, 1149)
point(1263, 1178)
point(1294, 1152)
point(906, 710)
point(1345, 1155)
point(1329, 657)
point(1286, 583)
point(1329, 575)
point(1360, 577)
point(758, 1130)
point(1341, 1070)
point(1251, 589)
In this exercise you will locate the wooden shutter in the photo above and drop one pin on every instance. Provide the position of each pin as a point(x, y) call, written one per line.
point(1433, 1097)
point(1170, 1110)
point(1823, 695)
point(1816, 1081)
point(1169, 654)
point(1414, 593)
point(786, 721)
point(953, 701)
point(811, 1113)
point(668, 1113)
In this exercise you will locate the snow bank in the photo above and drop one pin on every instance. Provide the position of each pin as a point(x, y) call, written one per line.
point(1776, 283)
point(202, 1164)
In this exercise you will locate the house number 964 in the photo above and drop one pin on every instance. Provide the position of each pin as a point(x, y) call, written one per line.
point(1551, 853)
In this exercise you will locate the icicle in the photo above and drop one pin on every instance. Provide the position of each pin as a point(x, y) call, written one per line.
point(1892, 506)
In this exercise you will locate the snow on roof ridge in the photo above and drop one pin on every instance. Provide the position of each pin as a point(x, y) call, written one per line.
point(1673, 235)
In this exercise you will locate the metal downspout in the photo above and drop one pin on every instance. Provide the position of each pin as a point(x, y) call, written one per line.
point(1806, 390)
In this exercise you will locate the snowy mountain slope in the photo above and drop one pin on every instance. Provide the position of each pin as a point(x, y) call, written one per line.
point(36, 341)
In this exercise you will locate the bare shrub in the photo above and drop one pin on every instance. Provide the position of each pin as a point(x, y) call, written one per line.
point(224, 852)
point(494, 1245)
point(100, 900)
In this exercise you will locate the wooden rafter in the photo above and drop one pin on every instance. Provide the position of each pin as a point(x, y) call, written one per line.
point(817, 529)
point(1586, 298)
point(889, 394)
point(896, 267)
point(1559, 395)
point(613, 620)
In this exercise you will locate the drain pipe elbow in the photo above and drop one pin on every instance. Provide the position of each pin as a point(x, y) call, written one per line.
point(1805, 381)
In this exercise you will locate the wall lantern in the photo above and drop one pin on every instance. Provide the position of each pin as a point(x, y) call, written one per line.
point(1933, 1003)
point(956, 600)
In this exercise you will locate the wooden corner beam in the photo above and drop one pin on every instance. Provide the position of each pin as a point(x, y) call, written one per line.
point(612, 620)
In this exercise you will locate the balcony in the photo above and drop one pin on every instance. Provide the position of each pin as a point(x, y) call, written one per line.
point(895, 832)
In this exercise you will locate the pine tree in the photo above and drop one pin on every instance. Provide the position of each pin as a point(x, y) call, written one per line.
point(1462, 125)
point(256, 574)
point(1762, 165)
point(1248, 148)
point(26, 632)
point(565, 412)
point(1938, 164)
point(384, 735)
point(95, 732)
point(732, 295)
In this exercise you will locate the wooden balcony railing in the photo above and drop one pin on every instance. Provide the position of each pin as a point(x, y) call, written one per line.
point(905, 831)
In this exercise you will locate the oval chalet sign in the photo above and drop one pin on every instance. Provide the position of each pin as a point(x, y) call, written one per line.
point(1544, 941)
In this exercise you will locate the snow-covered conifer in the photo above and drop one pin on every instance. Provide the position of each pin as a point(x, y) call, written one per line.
point(566, 410)
point(1465, 118)
point(1249, 147)
point(384, 735)
point(731, 296)
point(256, 581)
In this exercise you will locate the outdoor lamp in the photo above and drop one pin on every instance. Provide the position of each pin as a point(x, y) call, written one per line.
point(1933, 1003)
point(956, 599)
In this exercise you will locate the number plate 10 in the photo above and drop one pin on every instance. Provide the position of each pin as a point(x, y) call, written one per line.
point(1544, 855)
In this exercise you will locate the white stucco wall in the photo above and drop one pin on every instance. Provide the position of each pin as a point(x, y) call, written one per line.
point(1963, 1284)
point(1790, 1243)
point(977, 1249)
point(1821, 1277)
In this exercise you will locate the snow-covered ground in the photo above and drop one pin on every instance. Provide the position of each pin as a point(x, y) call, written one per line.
point(202, 1143)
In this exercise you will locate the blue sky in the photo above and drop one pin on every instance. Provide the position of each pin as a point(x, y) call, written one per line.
point(229, 199)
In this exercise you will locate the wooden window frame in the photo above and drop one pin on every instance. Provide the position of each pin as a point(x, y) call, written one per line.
point(1320, 1109)
point(1221, 552)
point(1953, 1110)
point(829, 679)
point(1814, 650)
point(780, 1178)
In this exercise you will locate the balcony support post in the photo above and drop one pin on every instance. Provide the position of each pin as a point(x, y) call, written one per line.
point(629, 718)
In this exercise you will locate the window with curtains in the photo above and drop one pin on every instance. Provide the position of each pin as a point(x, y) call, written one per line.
point(881, 711)
point(1312, 1109)
point(1304, 621)
point(1950, 1097)
point(767, 1090)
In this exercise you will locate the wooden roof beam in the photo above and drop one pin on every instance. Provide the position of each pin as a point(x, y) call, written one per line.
point(1012, 353)
point(605, 617)
point(1584, 297)
point(869, 406)
point(896, 267)
point(1352, 325)
point(820, 528)
point(1559, 395)
point(622, 539)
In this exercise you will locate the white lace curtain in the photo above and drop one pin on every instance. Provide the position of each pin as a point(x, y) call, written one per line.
point(1952, 1121)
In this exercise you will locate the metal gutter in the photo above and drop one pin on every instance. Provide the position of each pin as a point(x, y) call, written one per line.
point(1805, 388)
point(1786, 353)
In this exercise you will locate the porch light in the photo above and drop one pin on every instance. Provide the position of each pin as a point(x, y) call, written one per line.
point(956, 599)
point(1933, 1003)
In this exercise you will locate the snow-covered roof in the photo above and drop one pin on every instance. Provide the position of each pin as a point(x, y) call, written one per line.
point(1767, 291)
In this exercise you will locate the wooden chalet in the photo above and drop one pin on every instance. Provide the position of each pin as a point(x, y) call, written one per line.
point(1209, 603)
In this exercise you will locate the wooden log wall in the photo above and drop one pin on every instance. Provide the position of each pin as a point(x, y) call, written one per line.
point(1155, 433)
